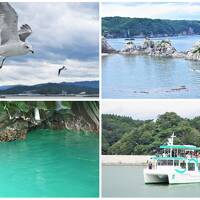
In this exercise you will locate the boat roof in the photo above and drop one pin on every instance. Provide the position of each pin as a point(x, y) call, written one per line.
point(167, 158)
point(187, 147)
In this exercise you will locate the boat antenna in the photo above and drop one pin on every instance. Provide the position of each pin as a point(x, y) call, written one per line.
point(172, 138)
point(171, 142)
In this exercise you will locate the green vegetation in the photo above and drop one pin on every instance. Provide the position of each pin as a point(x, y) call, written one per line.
point(19, 117)
point(125, 136)
point(129, 27)
point(196, 51)
point(88, 87)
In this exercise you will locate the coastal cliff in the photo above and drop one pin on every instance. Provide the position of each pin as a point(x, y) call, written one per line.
point(18, 118)
point(106, 47)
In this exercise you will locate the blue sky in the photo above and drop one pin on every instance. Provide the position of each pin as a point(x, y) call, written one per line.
point(63, 34)
point(153, 10)
point(150, 109)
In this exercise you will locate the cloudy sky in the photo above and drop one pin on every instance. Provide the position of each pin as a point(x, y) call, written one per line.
point(63, 34)
point(153, 10)
point(150, 109)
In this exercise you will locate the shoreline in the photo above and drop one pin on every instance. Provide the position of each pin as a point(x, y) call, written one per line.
point(155, 36)
point(124, 160)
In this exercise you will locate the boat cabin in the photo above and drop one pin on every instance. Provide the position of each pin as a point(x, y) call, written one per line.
point(183, 156)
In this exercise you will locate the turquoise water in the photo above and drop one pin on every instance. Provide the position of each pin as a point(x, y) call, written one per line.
point(128, 181)
point(150, 77)
point(50, 164)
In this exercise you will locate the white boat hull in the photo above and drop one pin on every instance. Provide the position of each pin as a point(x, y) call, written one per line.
point(170, 177)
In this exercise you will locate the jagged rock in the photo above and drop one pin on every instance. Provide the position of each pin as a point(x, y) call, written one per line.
point(163, 48)
point(15, 131)
point(148, 44)
point(106, 48)
point(129, 47)
point(194, 53)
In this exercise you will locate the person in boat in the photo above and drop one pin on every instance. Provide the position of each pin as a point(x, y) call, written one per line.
point(150, 165)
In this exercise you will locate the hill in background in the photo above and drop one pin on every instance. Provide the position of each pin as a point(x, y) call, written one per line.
point(64, 88)
point(126, 136)
point(122, 27)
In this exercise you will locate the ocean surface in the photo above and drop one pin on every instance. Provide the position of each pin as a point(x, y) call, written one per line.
point(126, 76)
point(50, 164)
point(127, 181)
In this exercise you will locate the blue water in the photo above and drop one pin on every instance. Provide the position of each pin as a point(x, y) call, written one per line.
point(50, 164)
point(126, 76)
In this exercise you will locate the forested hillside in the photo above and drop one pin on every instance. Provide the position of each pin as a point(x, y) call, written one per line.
point(118, 27)
point(126, 136)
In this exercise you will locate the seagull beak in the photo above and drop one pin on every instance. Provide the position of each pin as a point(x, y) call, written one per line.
point(32, 51)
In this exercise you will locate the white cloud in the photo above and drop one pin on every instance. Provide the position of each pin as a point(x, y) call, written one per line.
point(59, 24)
point(150, 109)
point(63, 34)
point(30, 73)
point(152, 10)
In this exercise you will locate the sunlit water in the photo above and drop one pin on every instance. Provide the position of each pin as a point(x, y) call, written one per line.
point(127, 181)
point(50, 164)
point(126, 76)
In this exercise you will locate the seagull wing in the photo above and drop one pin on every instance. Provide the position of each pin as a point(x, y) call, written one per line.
point(59, 71)
point(8, 23)
point(24, 32)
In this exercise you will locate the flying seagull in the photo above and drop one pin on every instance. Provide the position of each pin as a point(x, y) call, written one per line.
point(62, 68)
point(12, 40)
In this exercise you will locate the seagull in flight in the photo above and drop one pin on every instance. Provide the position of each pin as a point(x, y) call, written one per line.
point(62, 68)
point(12, 40)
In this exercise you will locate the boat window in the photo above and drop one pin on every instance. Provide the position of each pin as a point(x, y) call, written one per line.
point(191, 166)
point(199, 166)
point(170, 162)
point(164, 162)
point(176, 162)
point(183, 165)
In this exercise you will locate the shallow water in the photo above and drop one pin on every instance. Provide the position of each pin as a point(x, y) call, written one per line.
point(127, 181)
point(50, 164)
point(126, 76)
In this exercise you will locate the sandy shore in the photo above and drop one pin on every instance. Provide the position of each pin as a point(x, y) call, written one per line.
point(125, 159)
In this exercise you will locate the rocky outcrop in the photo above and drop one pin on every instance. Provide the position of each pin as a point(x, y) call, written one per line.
point(106, 48)
point(162, 48)
point(194, 52)
point(129, 47)
point(16, 130)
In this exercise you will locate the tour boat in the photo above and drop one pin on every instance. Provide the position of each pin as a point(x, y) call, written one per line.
point(176, 164)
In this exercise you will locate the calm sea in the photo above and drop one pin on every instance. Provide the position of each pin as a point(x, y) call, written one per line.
point(127, 181)
point(126, 76)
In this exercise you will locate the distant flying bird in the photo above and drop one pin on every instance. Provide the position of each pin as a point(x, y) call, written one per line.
point(62, 68)
point(12, 40)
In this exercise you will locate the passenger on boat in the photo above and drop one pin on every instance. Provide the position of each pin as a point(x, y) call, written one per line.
point(150, 165)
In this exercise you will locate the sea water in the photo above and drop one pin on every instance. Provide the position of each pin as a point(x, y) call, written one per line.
point(127, 76)
point(128, 181)
point(50, 164)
